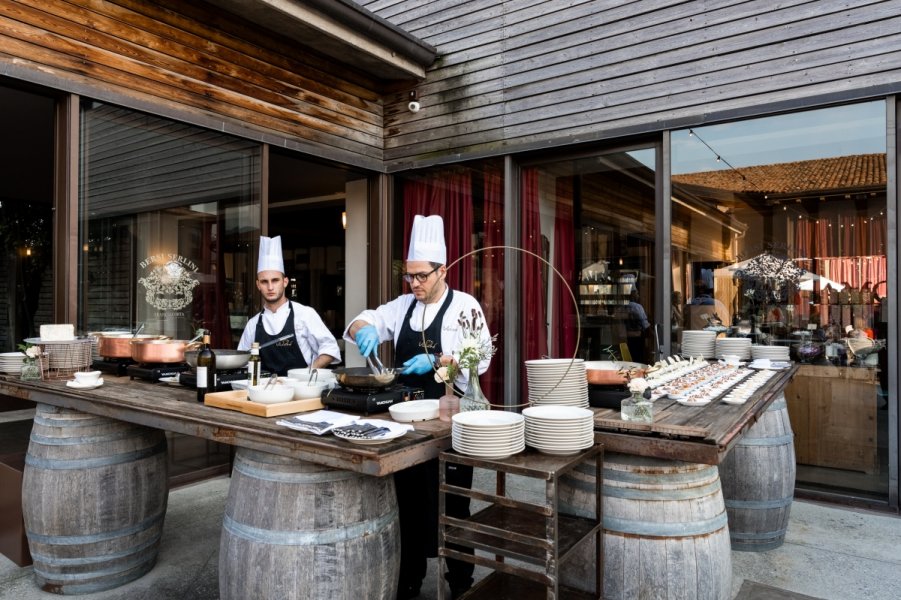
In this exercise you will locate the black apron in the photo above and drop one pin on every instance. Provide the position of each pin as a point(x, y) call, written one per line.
point(280, 357)
point(417, 486)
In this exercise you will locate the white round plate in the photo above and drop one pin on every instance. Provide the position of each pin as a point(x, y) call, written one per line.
point(558, 413)
point(84, 386)
point(487, 418)
point(690, 403)
point(735, 401)
point(414, 410)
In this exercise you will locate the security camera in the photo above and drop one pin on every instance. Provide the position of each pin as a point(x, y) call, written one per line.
point(414, 106)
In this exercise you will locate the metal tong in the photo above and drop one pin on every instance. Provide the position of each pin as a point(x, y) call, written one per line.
point(375, 365)
point(275, 341)
point(272, 379)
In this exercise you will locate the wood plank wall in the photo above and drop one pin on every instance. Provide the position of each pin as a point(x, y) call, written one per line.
point(528, 74)
point(185, 57)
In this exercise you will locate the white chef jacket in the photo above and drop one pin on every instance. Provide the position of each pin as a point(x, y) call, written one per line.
point(388, 320)
point(313, 337)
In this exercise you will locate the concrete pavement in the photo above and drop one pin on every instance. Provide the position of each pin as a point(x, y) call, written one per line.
point(831, 552)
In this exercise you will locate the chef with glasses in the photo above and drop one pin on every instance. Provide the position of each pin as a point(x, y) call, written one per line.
point(435, 308)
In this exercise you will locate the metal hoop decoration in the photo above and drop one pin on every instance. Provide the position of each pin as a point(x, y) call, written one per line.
point(571, 295)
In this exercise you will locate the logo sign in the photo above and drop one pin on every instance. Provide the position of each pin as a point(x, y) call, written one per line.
point(169, 281)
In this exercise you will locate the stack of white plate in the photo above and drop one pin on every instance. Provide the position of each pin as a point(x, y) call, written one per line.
point(557, 381)
point(11, 362)
point(559, 430)
point(697, 342)
point(778, 353)
point(491, 434)
point(740, 347)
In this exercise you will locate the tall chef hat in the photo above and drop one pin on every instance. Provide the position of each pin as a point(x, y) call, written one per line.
point(271, 255)
point(427, 240)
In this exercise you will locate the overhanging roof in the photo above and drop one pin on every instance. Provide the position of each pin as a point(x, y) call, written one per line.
point(343, 30)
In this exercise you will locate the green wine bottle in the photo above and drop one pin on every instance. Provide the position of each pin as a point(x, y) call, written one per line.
point(206, 369)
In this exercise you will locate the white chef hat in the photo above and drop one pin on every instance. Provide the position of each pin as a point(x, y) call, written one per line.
point(271, 255)
point(427, 240)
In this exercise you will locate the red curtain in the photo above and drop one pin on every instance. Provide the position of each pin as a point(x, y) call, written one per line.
point(450, 196)
point(491, 291)
point(564, 315)
point(534, 316)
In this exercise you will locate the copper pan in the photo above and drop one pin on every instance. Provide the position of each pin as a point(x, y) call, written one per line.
point(119, 345)
point(609, 372)
point(159, 351)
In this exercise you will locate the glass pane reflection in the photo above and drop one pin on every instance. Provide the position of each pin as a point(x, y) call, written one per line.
point(779, 235)
point(169, 219)
point(592, 219)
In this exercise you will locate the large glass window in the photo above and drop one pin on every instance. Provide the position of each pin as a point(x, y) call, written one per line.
point(26, 215)
point(470, 199)
point(779, 236)
point(592, 221)
point(168, 228)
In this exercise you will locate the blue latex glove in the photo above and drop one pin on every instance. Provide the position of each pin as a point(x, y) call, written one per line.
point(418, 365)
point(367, 339)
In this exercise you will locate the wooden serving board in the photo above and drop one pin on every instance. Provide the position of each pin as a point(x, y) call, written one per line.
point(237, 400)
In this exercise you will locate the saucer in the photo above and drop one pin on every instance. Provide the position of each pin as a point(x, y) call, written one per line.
point(84, 386)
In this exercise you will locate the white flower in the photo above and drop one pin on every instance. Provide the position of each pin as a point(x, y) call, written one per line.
point(441, 375)
point(638, 385)
point(470, 343)
point(33, 352)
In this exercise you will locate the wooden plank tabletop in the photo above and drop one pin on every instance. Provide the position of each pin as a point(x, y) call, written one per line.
point(174, 408)
point(700, 434)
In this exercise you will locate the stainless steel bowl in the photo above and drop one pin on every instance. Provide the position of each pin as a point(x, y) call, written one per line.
point(225, 359)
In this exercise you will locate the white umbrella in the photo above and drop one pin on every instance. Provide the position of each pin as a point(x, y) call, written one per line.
point(763, 266)
point(809, 278)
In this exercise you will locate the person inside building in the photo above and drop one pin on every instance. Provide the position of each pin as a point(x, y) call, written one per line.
point(311, 345)
point(637, 326)
point(431, 305)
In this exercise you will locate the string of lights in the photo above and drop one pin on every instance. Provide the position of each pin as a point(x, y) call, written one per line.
point(719, 158)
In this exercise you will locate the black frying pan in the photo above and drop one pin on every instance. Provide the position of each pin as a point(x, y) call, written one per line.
point(363, 378)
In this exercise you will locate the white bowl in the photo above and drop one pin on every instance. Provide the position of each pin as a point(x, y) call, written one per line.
point(304, 390)
point(87, 377)
point(322, 375)
point(414, 410)
point(276, 393)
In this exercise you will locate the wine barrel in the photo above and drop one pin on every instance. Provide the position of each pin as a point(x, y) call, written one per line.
point(758, 478)
point(666, 533)
point(294, 529)
point(94, 495)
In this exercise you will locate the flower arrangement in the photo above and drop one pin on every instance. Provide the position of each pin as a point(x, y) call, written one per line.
point(638, 407)
point(31, 352)
point(30, 367)
point(473, 348)
point(641, 387)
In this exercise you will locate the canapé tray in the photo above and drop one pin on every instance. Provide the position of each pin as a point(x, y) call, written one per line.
point(237, 400)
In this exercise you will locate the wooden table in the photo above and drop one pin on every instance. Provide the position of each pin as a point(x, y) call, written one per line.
point(335, 534)
point(697, 434)
point(174, 408)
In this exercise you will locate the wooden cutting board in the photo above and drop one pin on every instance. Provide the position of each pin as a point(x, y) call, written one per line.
point(237, 400)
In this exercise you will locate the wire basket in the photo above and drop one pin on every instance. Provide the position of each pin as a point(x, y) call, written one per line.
point(62, 359)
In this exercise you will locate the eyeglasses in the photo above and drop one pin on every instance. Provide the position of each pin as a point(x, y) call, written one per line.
point(420, 277)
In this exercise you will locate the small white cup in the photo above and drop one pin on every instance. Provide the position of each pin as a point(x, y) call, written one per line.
point(731, 360)
point(87, 377)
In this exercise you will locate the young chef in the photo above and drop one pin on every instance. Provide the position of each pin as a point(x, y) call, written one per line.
point(402, 321)
point(312, 343)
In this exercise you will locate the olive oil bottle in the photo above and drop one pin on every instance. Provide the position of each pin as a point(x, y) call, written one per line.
point(254, 365)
